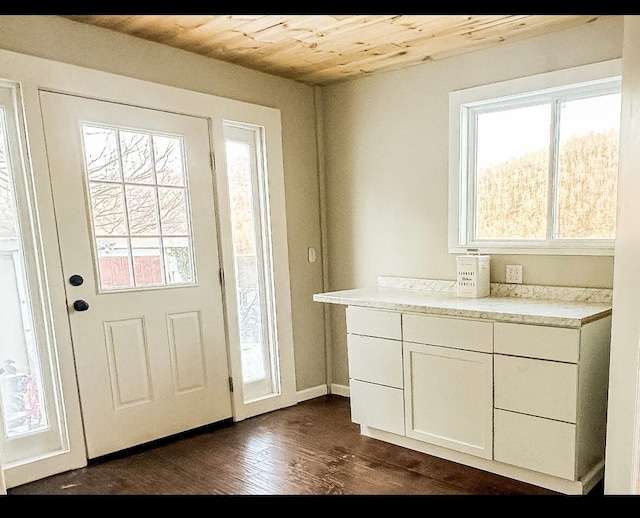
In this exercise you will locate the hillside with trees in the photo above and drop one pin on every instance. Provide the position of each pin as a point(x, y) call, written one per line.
point(512, 195)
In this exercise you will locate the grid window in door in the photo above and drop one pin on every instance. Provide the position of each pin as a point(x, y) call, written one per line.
point(139, 207)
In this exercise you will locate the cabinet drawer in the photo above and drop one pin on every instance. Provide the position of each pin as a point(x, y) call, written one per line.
point(378, 360)
point(374, 322)
point(535, 443)
point(377, 406)
point(472, 335)
point(537, 387)
point(547, 343)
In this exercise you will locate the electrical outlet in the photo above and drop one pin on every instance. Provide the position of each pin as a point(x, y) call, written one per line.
point(514, 274)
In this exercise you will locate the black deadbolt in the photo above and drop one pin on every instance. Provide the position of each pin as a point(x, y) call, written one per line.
point(80, 305)
point(76, 280)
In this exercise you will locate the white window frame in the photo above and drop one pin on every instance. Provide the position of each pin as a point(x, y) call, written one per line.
point(598, 75)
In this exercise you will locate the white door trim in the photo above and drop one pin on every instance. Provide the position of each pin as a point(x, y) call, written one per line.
point(3, 486)
point(622, 456)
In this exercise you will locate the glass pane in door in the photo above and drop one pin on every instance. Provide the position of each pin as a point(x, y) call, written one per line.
point(139, 207)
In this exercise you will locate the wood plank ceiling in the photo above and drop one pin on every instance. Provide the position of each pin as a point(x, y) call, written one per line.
point(320, 49)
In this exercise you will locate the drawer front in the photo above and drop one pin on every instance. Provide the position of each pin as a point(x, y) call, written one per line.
point(378, 360)
point(547, 343)
point(472, 335)
point(535, 443)
point(537, 387)
point(377, 406)
point(374, 322)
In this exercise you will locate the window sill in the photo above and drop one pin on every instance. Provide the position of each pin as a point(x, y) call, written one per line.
point(534, 250)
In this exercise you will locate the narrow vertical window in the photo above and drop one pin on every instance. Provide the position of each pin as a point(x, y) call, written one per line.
point(23, 406)
point(31, 403)
point(247, 182)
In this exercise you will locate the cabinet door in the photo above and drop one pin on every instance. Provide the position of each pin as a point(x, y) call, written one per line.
point(449, 398)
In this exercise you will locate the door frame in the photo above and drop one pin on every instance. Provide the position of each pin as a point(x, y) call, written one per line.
point(34, 74)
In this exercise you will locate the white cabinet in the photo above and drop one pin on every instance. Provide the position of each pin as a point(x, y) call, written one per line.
point(523, 400)
point(550, 397)
point(374, 353)
point(448, 383)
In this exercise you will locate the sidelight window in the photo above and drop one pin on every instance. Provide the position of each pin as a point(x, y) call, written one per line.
point(253, 266)
point(20, 379)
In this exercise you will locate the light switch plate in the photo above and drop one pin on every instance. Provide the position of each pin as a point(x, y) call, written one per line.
point(312, 256)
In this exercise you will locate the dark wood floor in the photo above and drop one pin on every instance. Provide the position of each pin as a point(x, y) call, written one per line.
point(312, 448)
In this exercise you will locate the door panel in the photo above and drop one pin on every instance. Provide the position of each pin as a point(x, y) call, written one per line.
point(137, 222)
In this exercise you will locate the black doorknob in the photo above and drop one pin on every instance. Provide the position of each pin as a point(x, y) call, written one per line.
point(80, 305)
point(76, 280)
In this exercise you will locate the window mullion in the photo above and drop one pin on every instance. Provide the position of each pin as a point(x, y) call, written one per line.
point(552, 187)
point(125, 213)
point(471, 179)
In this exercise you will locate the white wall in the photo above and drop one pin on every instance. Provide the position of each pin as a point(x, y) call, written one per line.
point(59, 39)
point(386, 168)
point(621, 460)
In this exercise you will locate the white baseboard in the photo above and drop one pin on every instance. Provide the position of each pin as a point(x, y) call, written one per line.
point(311, 393)
point(340, 390)
point(322, 390)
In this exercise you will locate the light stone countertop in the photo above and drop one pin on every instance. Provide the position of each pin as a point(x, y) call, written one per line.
point(553, 306)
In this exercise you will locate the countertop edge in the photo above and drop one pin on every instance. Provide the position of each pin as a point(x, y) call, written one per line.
point(430, 309)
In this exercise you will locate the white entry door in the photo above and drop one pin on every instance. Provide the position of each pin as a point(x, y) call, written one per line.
point(136, 218)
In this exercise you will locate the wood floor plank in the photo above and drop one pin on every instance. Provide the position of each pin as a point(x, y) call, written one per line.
point(311, 448)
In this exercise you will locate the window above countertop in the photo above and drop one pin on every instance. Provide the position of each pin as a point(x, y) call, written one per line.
point(533, 163)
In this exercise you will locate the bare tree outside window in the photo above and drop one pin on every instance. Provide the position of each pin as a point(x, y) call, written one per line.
point(244, 221)
point(7, 210)
point(138, 191)
point(20, 381)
